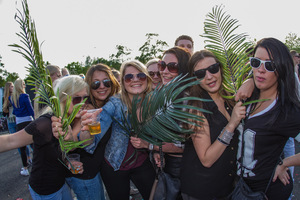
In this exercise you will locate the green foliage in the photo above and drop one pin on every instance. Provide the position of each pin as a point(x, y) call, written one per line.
point(6, 76)
point(228, 47)
point(152, 48)
point(163, 114)
point(292, 41)
point(39, 77)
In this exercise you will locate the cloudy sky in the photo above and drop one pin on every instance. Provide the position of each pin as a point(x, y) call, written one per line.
point(73, 29)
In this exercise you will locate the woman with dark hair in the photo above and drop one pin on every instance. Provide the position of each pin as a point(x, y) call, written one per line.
point(270, 123)
point(209, 158)
point(88, 185)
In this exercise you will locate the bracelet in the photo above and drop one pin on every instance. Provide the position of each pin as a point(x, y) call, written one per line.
point(226, 136)
point(223, 142)
point(150, 147)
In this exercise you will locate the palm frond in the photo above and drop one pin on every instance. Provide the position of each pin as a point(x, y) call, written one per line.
point(39, 77)
point(228, 46)
point(162, 114)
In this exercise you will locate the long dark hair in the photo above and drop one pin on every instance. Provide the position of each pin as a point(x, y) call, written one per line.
point(197, 90)
point(287, 92)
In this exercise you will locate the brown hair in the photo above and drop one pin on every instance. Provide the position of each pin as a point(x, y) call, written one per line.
point(115, 86)
point(184, 37)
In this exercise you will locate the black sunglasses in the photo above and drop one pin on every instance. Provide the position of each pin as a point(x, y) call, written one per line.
point(77, 100)
point(96, 84)
point(172, 66)
point(256, 63)
point(129, 77)
point(152, 74)
point(200, 74)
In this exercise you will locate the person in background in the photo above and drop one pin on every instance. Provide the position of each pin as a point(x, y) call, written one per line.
point(270, 123)
point(116, 73)
point(152, 68)
point(82, 76)
point(186, 42)
point(65, 72)
point(55, 74)
point(11, 118)
point(47, 178)
point(24, 113)
point(210, 154)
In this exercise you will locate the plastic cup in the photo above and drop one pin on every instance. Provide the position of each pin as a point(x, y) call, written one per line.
point(94, 127)
point(74, 159)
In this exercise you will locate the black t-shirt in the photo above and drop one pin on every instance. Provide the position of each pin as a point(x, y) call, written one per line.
point(218, 180)
point(264, 141)
point(47, 174)
point(92, 162)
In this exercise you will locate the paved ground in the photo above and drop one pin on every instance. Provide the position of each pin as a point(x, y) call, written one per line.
point(13, 185)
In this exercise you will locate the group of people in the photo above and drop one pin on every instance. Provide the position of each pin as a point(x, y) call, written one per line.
point(207, 164)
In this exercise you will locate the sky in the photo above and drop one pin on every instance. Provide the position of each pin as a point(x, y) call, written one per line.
point(71, 30)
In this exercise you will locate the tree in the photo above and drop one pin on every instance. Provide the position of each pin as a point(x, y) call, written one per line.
point(292, 41)
point(152, 48)
point(5, 75)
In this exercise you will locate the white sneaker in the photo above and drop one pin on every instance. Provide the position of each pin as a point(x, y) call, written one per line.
point(24, 172)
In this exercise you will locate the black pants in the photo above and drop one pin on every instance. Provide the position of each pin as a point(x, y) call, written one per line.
point(117, 183)
point(23, 149)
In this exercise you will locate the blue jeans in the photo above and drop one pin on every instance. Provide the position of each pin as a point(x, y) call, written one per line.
point(289, 150)
point(64, 193)
point(12, 129)
point(87, 188)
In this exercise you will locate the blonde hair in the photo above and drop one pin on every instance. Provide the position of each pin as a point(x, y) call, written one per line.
point(142, 68)
point(18, 90)
point(6, 95)
point(68, 86)
point(151, 62)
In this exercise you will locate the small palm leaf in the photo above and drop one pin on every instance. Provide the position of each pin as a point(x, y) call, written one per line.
point(229, 47)
point(162, 113)
point(39, 77)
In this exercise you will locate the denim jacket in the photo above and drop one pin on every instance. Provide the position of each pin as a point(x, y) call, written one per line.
point(117, 145)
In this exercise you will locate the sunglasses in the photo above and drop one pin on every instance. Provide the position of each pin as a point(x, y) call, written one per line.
point(77, 100)
point(129, 77)
point(96, 84)
point(200, 74)
point(172, 66)
point(152, 74)
point(256, 63)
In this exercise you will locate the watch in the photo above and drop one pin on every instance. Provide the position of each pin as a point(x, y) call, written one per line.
point(150, 147)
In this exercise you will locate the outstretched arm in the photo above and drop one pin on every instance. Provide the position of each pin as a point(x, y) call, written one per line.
point(14, 141)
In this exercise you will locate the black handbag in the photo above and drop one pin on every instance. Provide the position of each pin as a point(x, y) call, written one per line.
point(167, 187)
point(243, 192)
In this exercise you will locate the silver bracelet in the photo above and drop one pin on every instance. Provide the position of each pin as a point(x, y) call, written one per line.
point(226, 136)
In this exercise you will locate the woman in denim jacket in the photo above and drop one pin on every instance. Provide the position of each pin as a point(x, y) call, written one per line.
point(122, 161)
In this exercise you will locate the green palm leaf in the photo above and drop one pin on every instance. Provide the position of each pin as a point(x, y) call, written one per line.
point(162, 113)
point(39, 77)
point(228, 46)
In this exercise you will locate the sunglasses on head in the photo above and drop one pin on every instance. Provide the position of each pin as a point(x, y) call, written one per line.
point(200, 74)
point(96, 84)
point(152, 74)
point(77, 100)
point(256, 63)
point(129, 77)
point(172, 66)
